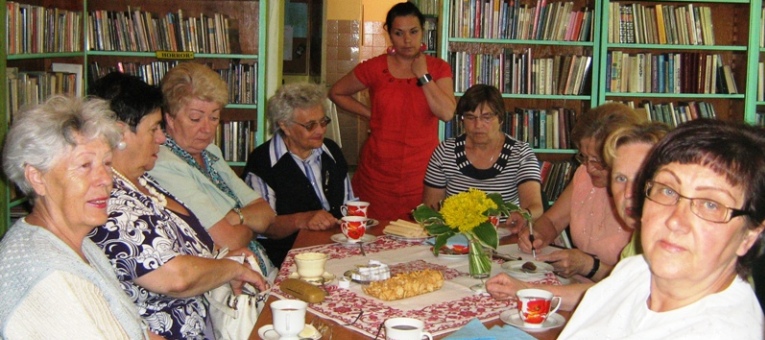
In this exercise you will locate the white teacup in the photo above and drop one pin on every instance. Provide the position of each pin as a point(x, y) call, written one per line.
point(355, 208)
point(535, 305)
point(310, 266)
point(405, 329)
point(353, 227)
point(289, 318)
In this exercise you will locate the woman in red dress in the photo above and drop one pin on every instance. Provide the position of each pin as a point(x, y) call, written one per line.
point(409, 93)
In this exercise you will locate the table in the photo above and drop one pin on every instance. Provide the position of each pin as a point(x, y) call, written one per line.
point(313, 238)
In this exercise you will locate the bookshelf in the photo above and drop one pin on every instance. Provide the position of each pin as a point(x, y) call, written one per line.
point(104, 35)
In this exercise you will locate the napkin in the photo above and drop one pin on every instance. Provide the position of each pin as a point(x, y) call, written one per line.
point(475, 330)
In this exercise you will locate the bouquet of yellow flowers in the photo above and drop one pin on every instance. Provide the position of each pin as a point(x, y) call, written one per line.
point(468, 213)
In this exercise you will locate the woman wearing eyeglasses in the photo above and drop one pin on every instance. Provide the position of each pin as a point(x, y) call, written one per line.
point(484, 157)
point(585, 205)
point(701, 201)
point(302, 175)
point(191, 167)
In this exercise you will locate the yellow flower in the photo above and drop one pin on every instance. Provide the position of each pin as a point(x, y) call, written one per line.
point(466, 210)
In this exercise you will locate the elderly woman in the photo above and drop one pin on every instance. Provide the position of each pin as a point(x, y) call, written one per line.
point(193, 168)
point(624, 151)
point(158, 247)
point(585, 205)
point(302, 175)
point(56, 282)
point(484, 157)
point(701, 201)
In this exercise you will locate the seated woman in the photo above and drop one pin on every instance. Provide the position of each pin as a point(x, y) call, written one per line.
point(302, 175)
point(157, 246)
point(56, 282)
point(700, 198)
point(624, 151)
point(585, 204)
point(193, 168)
point(484, 157)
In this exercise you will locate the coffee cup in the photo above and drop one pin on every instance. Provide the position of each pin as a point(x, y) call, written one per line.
point(288, 318)
point(405, 329)
point(535, 305)
point(355, 208)
point(353, 227)
point(310, 265)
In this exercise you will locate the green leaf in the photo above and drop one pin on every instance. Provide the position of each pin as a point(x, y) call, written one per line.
point(424, 213)
point(441, 241)
point(486, 234)
point(438, 228)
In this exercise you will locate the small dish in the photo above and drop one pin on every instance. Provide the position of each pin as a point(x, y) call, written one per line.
point(342, 239)
point(407, 239)
point(513, 268)
point(512, 318)
point(267, 332)
point(327, 277)
point(453, 251)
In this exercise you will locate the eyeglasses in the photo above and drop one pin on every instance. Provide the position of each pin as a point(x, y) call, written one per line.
point(486, 118)
point(705, 208)
point(312, 124)
point(584, 160)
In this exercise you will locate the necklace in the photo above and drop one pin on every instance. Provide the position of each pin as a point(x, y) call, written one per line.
point(155, 195)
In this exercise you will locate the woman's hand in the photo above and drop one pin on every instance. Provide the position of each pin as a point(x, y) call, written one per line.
point(504, 287)
point(248, 275)
point(320, 220)
point(419, 65)
point(515, 222)
point(569, 262)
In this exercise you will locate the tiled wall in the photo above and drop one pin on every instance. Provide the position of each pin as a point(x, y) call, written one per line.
point(345, 49)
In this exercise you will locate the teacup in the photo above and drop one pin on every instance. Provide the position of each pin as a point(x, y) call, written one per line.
point(405, 329)
point(310, 266)
point(534, 306)
point(353, 227)
point(355, 208)
point(288, 318)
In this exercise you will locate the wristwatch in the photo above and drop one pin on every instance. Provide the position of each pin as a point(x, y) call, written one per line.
point(241, 216)
point(426, 78)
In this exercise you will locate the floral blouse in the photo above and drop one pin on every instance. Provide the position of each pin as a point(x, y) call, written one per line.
point(141, 236)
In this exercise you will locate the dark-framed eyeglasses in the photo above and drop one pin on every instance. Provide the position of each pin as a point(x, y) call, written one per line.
point(314, 123)
point(485, 118)
point(584, 160)
point(707, 209)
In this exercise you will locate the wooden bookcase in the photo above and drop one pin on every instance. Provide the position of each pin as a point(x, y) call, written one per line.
point(248, 41)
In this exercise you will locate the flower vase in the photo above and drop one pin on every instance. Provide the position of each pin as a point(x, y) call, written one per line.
point(479, 262)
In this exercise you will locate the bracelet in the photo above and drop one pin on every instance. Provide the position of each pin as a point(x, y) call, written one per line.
point(595, 267)
point(241, 216)
point(426, 78)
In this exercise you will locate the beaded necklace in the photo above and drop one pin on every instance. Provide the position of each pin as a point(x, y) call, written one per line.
point(156, 196)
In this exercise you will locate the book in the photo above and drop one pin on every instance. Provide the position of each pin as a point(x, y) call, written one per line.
point(76, 70)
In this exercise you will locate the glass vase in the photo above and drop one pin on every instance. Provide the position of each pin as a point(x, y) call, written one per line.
point(479, 262)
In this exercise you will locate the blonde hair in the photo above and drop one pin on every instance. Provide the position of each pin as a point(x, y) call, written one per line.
point(189, 81)
point(601, 121)
point(647, 133)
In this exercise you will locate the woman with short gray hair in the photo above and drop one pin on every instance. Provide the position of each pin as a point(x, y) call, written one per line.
point(57, 283)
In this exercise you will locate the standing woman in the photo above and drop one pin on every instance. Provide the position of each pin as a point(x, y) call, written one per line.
point(56, 282)
point(409, 93)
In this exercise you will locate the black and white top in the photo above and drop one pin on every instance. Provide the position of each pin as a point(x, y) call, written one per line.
point(449, 168)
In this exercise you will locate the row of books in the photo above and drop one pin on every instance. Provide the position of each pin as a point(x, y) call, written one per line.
point(33, 87)
point(236, 139)
point(674, 72)
point(672, 113)
point(636, 23)
point(555, 176)
point(541, 128)
point(139, 31)
point(37, 29)
point(241, 78)
point(521, 73)
point(428, 7)
point(509, 19)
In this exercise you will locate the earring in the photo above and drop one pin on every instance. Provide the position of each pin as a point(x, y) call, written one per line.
point(391, 50)
point(121, 145)
point(423, 47)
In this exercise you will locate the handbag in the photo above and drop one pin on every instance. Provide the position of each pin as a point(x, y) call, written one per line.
point(234, 316)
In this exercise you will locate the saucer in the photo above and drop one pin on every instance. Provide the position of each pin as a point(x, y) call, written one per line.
point(340, 238)
point(267, 332)
point(513, 268)
point(372, 222)
point(512, 318)
point(327, 277)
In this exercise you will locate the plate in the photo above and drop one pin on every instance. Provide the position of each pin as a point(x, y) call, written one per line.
point(340, 238)
point(513, 268)
point(407, 239)
point(453, 251)
point(371, 222)
point(327, 277)
point(503, 232)
point(267, 332)
point(512, 318)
